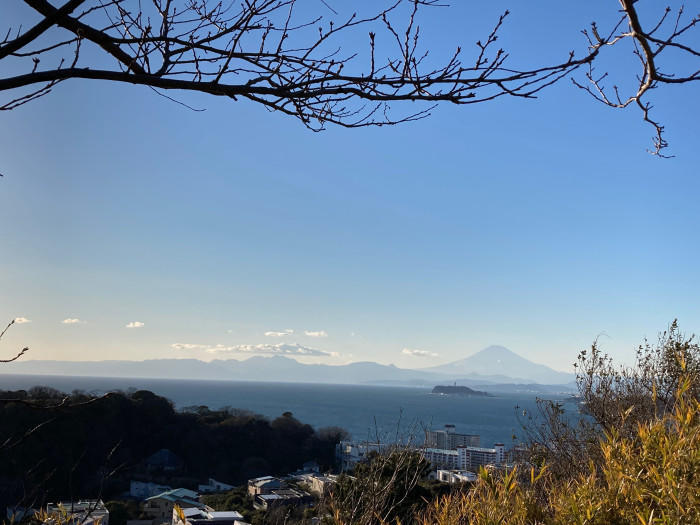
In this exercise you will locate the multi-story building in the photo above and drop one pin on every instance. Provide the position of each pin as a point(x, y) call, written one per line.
point(442, 458)
point(449, 439)
point(465, 458)
point(471, 458)
point(461, 457)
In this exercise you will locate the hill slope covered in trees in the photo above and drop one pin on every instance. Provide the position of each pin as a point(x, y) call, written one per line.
point(61, 447)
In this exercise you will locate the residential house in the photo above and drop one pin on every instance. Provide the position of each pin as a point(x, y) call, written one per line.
point(214, 486)
point(282, 497)
point(160, 507)
point(264, 485)
point(318, 484)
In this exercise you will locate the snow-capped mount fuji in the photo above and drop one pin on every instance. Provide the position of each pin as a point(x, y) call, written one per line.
point(498, 361)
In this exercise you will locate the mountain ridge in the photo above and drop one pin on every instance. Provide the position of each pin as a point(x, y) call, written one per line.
point(286, 369)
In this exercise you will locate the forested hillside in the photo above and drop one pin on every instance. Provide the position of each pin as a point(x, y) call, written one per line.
point(55, 446)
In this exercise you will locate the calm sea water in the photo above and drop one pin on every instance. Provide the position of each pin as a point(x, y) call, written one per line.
point(362, 410)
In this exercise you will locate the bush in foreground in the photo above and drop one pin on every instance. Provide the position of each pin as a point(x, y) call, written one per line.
point(650, 478)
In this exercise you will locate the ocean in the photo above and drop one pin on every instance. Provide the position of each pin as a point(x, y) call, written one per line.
point(392, 413)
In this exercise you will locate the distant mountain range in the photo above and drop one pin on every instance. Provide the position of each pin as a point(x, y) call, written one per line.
point(494, 367)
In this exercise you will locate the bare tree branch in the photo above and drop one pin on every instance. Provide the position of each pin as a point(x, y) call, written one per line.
point(21, 352)
point(264, 51)
point(261, 50)
point(649, 50)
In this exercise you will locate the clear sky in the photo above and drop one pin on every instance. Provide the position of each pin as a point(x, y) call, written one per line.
point(158, 232)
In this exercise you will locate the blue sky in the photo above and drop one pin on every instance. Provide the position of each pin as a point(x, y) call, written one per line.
point(537, 225)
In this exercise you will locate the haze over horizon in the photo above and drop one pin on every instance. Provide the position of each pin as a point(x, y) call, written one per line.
point(491, 368)
point(137, 229)
point(425, 365)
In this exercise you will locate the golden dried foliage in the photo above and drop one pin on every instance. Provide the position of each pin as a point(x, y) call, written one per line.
point(652, 478)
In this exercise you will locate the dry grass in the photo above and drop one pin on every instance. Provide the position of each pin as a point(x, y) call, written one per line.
point(652, 478)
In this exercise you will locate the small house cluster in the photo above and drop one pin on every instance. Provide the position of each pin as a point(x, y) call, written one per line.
point(455, 458)
point(164, 505)
point(297, 489)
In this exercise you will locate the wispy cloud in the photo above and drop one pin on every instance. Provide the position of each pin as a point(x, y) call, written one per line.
point(22, 320)
point(270, 349)
point(73, 320)
point(319, 333)
point(292, 349)
point(135, 324)
point(281, 333)
point(189, 346)
point(418, 353)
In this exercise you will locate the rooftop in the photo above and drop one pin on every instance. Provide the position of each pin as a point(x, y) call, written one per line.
point(444, 451)
point(225, 515)
point(178, 495)
point(480, 449)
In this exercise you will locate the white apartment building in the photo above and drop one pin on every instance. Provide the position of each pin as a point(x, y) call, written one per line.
point(448, 438)
point(465, 458)
point(442, 458)
point(471, 458)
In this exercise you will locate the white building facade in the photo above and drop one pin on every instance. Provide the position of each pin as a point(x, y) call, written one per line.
point(448, 438)
point(465, 458)
point(456, 476)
